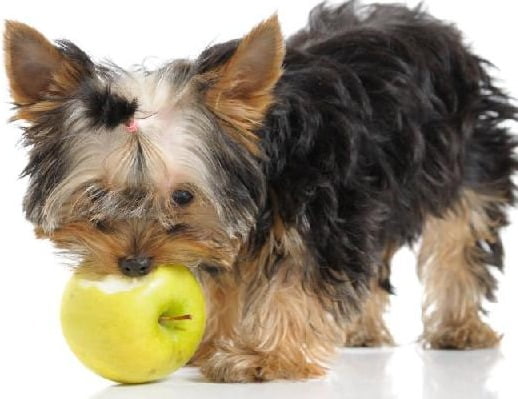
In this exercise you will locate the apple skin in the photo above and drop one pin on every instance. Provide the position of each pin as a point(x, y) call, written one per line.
point(113, 325)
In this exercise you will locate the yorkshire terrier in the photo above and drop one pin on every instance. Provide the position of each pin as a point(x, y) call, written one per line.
point(285, 173)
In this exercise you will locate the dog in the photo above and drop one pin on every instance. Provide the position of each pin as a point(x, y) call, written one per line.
point(285, 173)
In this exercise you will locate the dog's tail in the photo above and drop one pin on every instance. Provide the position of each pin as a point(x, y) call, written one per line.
point(491, 160)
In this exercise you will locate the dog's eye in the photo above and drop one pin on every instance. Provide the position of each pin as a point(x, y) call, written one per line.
point(181, 197)
point(211, 269)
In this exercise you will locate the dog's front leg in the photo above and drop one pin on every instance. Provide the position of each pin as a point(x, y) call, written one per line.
point(278, 331)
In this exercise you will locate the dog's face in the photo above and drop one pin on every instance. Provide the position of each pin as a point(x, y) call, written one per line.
point(133, 168)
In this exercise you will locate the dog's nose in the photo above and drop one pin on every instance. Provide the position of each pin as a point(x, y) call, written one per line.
point(134, 266)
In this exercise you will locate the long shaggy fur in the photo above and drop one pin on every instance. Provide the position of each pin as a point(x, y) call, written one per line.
point(311, 161)
point(388, 118)
point(381, 117)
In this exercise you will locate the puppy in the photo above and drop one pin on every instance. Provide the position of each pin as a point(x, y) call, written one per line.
point(285, 173)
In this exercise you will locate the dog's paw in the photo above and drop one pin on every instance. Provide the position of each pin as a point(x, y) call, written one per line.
point(204, 352)
point(225, 366)
point(471, 334)
point(368, 338)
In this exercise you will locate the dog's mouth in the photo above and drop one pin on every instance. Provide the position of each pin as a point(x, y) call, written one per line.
point(134, 248)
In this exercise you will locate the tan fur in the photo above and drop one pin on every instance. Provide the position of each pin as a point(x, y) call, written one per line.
point(368, 328)
point(56, 76)
point(260, 329)
point(100, 250)
point(221, 296)
point(451, 273)
point(241, 91)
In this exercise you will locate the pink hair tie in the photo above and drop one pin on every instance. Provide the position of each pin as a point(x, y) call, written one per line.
point(131, 126)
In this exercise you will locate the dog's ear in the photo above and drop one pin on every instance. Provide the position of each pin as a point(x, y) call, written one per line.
point(37, 69)
point(243, 86)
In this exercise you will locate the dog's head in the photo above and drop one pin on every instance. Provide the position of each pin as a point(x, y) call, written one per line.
point(131, 168)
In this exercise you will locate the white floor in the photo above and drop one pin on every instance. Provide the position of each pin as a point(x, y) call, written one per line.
point(403, 372)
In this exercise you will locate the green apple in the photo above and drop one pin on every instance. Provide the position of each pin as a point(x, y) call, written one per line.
point(134, 330)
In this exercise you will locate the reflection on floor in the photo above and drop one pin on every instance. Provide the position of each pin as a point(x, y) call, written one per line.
point(403, 372)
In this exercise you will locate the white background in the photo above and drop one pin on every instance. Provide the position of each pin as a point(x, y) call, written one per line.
point(34, 360)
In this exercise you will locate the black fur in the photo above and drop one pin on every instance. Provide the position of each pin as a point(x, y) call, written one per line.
point(47, 164)
point(389, 116)
point(379, 120)
point(105, 108)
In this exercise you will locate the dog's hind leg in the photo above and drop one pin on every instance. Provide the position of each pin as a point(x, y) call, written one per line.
point(454, 265)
